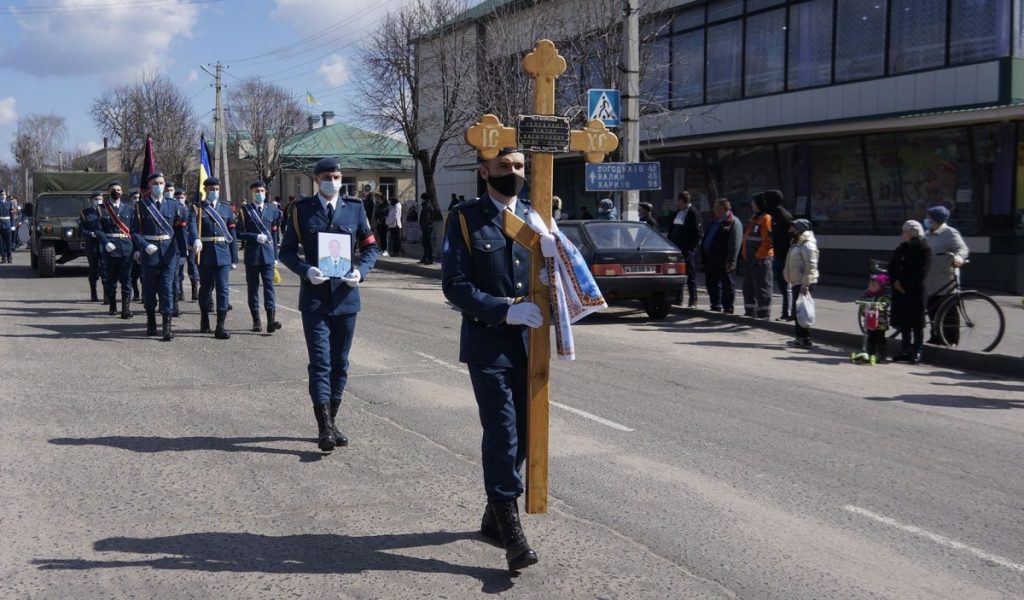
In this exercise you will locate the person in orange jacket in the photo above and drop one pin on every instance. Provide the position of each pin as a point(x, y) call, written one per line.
point(758, 254)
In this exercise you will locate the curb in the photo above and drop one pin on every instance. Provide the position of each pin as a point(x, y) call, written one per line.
point(993, 364)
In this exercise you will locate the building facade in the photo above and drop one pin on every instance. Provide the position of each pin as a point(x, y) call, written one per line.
point(863, 112)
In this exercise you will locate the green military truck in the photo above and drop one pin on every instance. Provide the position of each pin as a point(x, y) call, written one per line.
point(53, 213)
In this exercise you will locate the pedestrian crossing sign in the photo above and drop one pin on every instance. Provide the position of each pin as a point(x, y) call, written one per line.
point(604, 105)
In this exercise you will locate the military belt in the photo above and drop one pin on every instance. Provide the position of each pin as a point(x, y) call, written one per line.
point(216, 238)
point(157, 238)
point(5, 218)
point(117, 236)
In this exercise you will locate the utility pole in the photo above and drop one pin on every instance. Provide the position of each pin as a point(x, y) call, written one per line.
point(631, 122)
point(220, 150)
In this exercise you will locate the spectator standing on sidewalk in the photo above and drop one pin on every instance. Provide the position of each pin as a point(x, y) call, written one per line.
point(721, 247)
point(606, 210)
point(394, 223)
point(781, 220)
point(427, 229)
point(907, 269)
point(949, 252)
point(687, 231)
point(380, 223)
point(646, 211)
point(758, 253)
point(801, 272)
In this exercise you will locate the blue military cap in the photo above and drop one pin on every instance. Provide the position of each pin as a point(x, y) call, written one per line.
point(211, 181)
point(257, 184)
point(153, 176)
point(326, 165)
point(94, 194)
point(501, 152)
point(169, 183)
point(113, 183)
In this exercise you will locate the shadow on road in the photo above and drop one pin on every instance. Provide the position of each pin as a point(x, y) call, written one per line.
point(289, 554)
point(972, 380)
point(187, 444)
point(107, 330)
point(952, 401)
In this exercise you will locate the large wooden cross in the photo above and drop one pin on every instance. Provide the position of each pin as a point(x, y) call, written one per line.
point(488, 136)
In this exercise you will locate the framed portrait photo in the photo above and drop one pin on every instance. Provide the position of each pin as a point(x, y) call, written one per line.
point(334, 254)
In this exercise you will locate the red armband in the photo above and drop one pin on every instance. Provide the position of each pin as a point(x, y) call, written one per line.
point(366, 241)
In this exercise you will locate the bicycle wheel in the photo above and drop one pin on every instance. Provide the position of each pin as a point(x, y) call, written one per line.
point(860, 317)
point(970, 321)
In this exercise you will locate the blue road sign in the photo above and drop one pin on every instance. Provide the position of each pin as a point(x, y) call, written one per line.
point(604, 105)
point(618, 177)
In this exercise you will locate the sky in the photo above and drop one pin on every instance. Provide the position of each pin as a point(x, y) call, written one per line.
point(58, 55)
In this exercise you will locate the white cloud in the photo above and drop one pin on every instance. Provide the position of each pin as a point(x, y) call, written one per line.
point(8, 113)
point(193, 76)
point(90, 146)
point(334, 71)
point(309, 16)
point(104, 42)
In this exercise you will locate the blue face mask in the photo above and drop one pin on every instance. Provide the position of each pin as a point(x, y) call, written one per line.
point(168, 195)
point(156, 191)
point(259, 197)
point(213, 196)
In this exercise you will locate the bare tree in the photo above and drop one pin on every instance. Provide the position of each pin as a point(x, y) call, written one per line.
point(418, 68)
point(154, 106)
point(263, 116)
point(11, 179)
point(37, 144)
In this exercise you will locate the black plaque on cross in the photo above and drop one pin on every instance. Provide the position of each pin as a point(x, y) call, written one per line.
point(543, 133)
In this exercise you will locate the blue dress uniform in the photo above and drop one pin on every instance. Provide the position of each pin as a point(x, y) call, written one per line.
point(6, 228)
point(216, 225)
point(328, 309)
point(115, 220)
point(261, 219)
point(89, 224)
point(165, 224)
point(187, 262)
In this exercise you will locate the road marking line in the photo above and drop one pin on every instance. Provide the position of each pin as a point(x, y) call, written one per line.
point(575, 411)
point(938, 539)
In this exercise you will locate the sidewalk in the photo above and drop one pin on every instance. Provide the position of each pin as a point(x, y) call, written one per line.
point(835, 323)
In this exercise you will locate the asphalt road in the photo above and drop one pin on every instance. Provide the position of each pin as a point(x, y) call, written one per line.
point(690, 459)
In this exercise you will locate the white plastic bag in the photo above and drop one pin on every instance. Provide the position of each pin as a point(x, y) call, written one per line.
point(805, 310)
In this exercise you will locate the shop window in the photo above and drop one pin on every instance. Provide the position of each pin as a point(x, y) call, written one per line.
point(754, 5)
point(766, 53)
point(794, 162)
point(387, 187)
point(688, 68)
point(884, 175)
point(810, 44)
point(742, 172)
point(654, 84)
point(918, 35)
point(839, 194)
point(994, 147)
point(724, 9)
point(979, 30)
point(724, 61)
point(860, 39)
point(935, 169)
point(688, 19)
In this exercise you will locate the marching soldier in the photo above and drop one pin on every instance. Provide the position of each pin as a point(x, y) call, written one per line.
point(89, 224)
point(136, 261)
point(486, 275)
point(328, 306)
point(216, 226)
point(115, 237)
point(189, 260)
point(7, 227)
point(261, 232)
point(161, 228)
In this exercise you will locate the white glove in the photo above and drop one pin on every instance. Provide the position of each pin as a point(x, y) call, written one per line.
point(524, 313)
point(544, 277)
point(958, 261)
point(197, 246)
point(234, 266)
point(353, 279)
point(276, 262)
point(316, 276)
point(151, 249)
point(110, 247)
point(261, 239)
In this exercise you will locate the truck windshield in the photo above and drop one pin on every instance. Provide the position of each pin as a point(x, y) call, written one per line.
point(60, 206)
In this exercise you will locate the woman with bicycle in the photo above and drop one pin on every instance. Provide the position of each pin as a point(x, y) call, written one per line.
point(907, 269)
point(949, 252)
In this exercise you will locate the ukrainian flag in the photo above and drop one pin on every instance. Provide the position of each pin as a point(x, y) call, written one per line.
point(204, 166)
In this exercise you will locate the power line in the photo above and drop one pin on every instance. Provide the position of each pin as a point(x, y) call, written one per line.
point(134, 4)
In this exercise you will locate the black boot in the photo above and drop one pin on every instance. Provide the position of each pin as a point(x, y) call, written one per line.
point(257, 327)
point(150, 322)
point(176, 311)
point(92, 292)
point(489, 526)
point(325, 437)
point(113, 306)
point(220, 333)
point(517, 550)
point(126, 311)
point(195, 291)
point(204, 322)
point(339, 438)
point(272, 323)
point(168, 334)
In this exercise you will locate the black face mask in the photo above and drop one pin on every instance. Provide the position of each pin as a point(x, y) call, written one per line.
point(507, 185)
point(115, 195)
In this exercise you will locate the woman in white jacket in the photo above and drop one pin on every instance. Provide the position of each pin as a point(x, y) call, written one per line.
point(801, 272)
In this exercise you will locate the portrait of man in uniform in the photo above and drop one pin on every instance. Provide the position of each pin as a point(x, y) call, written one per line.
point(335, 252)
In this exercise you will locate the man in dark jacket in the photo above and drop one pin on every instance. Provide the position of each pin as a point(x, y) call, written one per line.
point(907, 270)
point(781, 220)
point(721, 247)
point(687, 231)
point(426, 221)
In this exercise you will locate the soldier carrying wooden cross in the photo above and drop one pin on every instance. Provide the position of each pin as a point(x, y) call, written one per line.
point(493, 255)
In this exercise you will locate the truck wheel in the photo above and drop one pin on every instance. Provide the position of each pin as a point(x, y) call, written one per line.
point(657, 306)
point(47, 260)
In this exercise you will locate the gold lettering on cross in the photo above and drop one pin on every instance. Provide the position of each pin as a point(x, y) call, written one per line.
point(544, 64)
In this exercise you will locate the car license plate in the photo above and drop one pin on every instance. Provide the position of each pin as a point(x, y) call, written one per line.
point(640, 269)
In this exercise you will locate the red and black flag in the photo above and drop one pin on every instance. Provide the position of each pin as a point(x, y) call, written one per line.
point(148, 166)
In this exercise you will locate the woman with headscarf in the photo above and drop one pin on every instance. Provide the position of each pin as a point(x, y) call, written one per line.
point(907, 270)
point(801, 272)
point(949, 252)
